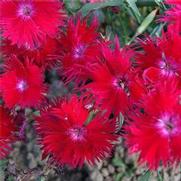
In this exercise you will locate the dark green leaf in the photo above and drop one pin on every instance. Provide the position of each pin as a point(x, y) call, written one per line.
point(144, 25)
point(159, 176)
point(132, 4)
point(145, 176)
point(93, 6)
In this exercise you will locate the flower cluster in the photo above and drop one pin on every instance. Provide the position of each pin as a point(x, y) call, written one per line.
point(143, 85)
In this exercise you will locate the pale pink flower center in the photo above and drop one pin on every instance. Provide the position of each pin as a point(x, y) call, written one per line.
point(77, 133)
point(168, 67)
point(121, 83)
point(79, 51)
point(168, 124)
point(21, 85)
point(25, 11)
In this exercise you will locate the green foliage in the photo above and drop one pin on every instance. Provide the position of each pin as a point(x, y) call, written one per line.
point(118, 162)
point(93, 6)
point(144, 25)
point(3, 165)
point(160, 175)
point(134, 8)
point(145, 176)
point(126, 18)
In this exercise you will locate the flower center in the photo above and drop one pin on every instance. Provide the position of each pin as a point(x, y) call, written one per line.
point(25, 11)
point(121, 83)
point(168, 124)
point(77, 133)
point(22, 85)
point(79, 51)
point(167, 66)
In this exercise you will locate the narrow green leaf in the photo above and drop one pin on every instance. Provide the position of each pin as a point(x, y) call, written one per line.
point(93, 6)
point(149, 2)
point(145, 176)
point(121, 121)
point(3, 165)
point(146, 22)
point(132, 4)
point(144, 25)
point(157, 30)
point(159, 176)
point(90, 117)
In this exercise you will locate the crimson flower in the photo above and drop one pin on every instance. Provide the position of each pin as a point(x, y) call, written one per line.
point(22, 84)
point(27, 23)
point(6, 133)
point(156, 133)
point(80, 47)
point(173, 15)
point(45, 55)
point(160, 57)
point(173, 1)
point(70, 139)
point(112, 80)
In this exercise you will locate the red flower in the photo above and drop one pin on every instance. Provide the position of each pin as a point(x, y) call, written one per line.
point(173, 1)
point(156, 133)
point(80, 46)
point(28, 22)
point(6, 133)
point(112, 79)
point(66, 135)
point(45, 55)
point(22, 84)
point(160, 57)
point(173, 15)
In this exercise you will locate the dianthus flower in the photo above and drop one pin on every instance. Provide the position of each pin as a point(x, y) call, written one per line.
point(45, 56)
point(173, 15)
point(112, 80)
point(80, 47)
point(161, 57)
point(7, 130)
point(27, 23)
point(156, 133)
point(68, 136)
point(22, 84)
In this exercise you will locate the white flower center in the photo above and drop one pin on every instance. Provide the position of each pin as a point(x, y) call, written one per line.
point(22, 85)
